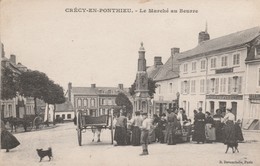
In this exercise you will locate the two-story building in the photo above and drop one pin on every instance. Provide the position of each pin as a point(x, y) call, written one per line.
point(214, 74)
point(251, 117)
point(18, 106)
point(166, 78)
point(94, 100)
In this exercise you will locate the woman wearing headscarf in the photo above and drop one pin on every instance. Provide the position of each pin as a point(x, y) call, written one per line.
point(229, 129)
point(8, 141)
point(210, 131)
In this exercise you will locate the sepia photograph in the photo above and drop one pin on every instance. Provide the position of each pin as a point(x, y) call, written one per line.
point(130, 82)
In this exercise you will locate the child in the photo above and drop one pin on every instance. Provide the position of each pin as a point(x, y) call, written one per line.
point(145, 133)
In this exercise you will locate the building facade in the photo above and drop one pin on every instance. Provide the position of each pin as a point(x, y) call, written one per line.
point(18, 106)
point(94, 100)
point(252, 87)
point(213, 75)
point(166, 78)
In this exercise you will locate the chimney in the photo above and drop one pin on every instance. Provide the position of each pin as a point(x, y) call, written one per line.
point(69, 90)
point(203, 36)
point(157, 61)
point(13, 59)
point(93, 85)
point(175, 50)
point(121, 86)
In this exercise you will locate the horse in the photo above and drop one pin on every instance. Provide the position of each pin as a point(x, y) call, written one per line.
point(15, 122)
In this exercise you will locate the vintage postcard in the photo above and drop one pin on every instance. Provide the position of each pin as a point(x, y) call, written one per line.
point(130, 82)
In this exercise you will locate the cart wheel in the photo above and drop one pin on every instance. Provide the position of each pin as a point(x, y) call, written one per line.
point(79, 116)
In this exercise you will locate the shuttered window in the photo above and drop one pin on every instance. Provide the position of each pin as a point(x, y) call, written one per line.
point(182, 87)
point(230, 84)
point(217, 85)
point(224, 61)
point(208, 86)
point(239, 84)
point(202, 86)
point(188, 87)
point(193, 86)
point(236, 59)
point(222, 85)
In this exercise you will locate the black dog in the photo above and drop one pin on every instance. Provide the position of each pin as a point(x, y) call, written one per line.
point(43, 153)
point(233, 146)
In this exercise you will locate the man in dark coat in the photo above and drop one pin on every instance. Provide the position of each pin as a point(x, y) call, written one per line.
point(199, 127)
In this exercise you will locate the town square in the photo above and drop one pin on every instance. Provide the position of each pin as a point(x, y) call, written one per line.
point(131, 83)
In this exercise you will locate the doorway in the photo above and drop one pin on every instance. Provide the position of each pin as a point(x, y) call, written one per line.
point(212, 107)
point(234, 109)
point(222, 106)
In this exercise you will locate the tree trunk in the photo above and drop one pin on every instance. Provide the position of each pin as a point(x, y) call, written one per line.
point(35, 106)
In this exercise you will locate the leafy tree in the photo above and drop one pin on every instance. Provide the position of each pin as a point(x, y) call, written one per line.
point(9, 84)
point(151, 87)
point(53, 95)
point(123, 101)
point(33, 84)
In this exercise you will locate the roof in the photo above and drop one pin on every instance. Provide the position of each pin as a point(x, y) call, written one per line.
point(232, 40)
point(153, 70)
point(84, 90)
point(67, 106)
point(96, 91)
point(169, 70)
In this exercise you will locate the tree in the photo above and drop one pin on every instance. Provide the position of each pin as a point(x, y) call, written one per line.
point(33, 84)
point(9, 84)
point(151, 87)
point(53, 95)
point(123, 101)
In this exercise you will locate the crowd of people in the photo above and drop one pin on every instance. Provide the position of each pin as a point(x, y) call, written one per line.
point(169, 129)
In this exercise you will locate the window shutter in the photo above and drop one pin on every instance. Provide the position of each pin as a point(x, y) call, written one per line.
point(239, 84)
point(182, 87)
point(188, 87)
point(229, 84)
point(208, 85)
point(217, 85)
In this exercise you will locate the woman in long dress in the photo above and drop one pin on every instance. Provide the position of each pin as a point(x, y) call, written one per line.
point(136, 131)
point(218, 125)
point(210, 131)
point(229, 129)
point(8, 141)
point(121, 129)
point(199, 127)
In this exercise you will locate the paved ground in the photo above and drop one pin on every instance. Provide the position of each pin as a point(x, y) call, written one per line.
point(63, 140)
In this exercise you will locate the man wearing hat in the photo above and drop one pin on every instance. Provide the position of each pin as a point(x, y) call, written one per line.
point(144, 134)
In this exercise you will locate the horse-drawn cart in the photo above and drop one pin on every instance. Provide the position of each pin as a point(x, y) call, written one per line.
point(85, 122)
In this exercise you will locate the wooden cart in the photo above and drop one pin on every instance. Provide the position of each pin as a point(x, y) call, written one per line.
point(85, 122)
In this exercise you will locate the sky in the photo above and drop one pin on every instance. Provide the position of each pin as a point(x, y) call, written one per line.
point(102, 48)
